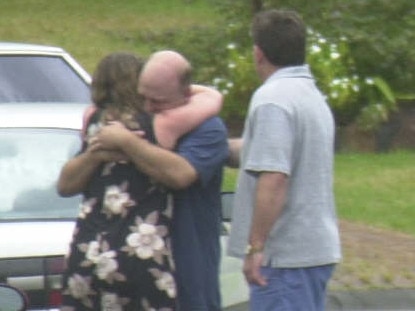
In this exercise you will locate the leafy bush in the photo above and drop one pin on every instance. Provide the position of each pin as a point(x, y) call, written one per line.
point(237, 82)
point(381, 101)
point(353, 93)
point(352, 97)
point(223, 54)
point(204, 47)
point(334, 70)
point(379, 32)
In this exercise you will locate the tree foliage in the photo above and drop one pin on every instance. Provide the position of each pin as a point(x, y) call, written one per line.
point(357, 63)
point(359, 59)
point(381, 34)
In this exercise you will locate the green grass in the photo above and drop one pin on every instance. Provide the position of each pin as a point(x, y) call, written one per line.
point(374, 189)
point(229, 179)
point(90, 29)
point(377, 189)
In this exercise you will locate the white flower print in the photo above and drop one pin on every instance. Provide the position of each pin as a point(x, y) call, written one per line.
point(165, 282)
point(106, 170)
point(106, 265)
point(92, 253)
point(79, 288)
point(116, 201)
point(99, 254)
point(111, 302)
point(146, 305)
point(145, 241)
point(86, 208)
point(92, 130)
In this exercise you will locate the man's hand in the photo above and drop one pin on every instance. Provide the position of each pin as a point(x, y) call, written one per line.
point(109, 137)
point(252, 269)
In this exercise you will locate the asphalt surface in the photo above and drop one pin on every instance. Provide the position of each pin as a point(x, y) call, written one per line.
point(370, 300)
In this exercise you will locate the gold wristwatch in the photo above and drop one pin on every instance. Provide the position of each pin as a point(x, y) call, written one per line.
point(250, 250)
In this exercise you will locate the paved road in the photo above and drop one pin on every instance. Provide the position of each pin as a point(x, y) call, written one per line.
point(373, 300)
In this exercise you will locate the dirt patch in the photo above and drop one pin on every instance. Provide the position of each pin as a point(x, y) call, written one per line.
point(374, 258)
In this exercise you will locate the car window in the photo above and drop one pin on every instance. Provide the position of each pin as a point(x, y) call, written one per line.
point(40, 79)
point(30, 163)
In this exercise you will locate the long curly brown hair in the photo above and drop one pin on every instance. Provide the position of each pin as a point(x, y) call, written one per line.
point(114, 84)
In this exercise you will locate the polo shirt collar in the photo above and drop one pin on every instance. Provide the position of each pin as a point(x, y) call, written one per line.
point(291, 72)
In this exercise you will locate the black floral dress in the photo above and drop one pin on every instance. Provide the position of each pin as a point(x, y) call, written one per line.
point(120, 256)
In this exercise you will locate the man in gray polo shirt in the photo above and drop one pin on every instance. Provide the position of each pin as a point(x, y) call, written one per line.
point(284, 222)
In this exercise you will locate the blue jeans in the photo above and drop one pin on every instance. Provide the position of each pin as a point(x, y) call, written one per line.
point(292, 289)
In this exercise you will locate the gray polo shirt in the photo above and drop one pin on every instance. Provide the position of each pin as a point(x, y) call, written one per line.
point(290, 129)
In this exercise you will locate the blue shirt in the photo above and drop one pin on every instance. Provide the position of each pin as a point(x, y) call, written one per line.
point(197, 218)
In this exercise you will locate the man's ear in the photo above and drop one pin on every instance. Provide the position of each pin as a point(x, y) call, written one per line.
point(258, 54)
point(187, 91)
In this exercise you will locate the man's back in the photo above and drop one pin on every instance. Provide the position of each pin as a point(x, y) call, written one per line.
point(290, 130)
point(197, 218)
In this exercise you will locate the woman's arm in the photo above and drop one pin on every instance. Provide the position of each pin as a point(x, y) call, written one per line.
point(77, 172)
point(171, 124)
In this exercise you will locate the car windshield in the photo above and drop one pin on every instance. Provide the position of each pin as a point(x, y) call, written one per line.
point(30, 163)
point(40, 79)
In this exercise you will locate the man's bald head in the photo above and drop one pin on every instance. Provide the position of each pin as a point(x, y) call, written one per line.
point(165, 80)
point(171, 62)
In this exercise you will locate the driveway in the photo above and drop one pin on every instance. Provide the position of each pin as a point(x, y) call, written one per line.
point(373, 300)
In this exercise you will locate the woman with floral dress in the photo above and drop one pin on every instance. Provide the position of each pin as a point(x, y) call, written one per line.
point(120, 255)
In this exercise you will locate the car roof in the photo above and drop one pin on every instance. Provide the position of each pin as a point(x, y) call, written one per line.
point(28, 47)
point(42, 115)
point(17, 48)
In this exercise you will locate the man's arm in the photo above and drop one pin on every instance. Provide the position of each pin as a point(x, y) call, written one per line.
point(235, 146)
point(164, 166)
point(269, 202)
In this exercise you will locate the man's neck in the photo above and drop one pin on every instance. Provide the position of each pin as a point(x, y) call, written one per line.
point(266, 71)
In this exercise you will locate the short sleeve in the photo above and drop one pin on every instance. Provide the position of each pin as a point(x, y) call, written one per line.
point(271, 140)
point(205, 148)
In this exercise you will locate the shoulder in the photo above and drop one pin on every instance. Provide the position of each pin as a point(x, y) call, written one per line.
point(212, 133)
point(271, 97)
point(214, 124)
point(285, 93)
point(206, 147)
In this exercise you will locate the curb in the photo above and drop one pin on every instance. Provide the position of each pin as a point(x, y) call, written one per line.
point(380, 299)
point(364, 300)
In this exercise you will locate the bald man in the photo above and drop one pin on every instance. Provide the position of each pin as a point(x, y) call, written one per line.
point(165, 81)
point(193, 172)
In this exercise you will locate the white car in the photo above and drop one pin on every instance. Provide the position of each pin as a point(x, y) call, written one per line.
point(35, 223)
point(37, 73)
point(43, 93)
